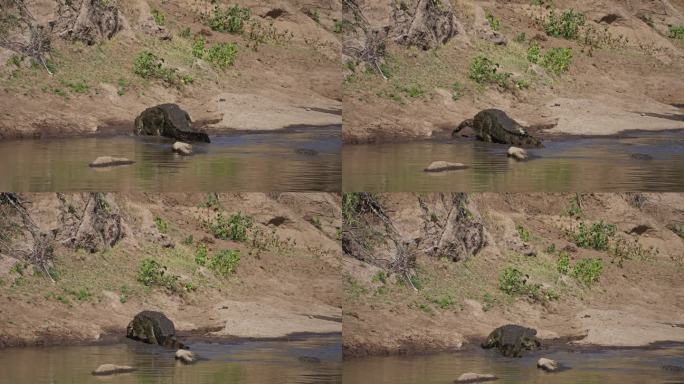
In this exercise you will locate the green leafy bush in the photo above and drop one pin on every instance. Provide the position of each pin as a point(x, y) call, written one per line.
point(523, 233)
point(222, 54)
point(630, 250)
point(534, 52)
point(566, 25)
point(587, 271)
point(493, 22)
point(483, 70)
point(231, 20)
point(597, 236)
point(198, 47)
point(159, 17)
point(557, 60)
point(147, 65)
point(150, 273)
point(225, 262)
point(512, 281)
point(201, 254)
point(520, 37)
point(563, 265)
point(233, 228)
point(677, 32)
point(161, 224)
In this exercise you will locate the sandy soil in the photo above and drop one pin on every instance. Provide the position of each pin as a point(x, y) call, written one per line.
point(635, 86)
point(633, 305)
point(292, 287)
point(276, 86)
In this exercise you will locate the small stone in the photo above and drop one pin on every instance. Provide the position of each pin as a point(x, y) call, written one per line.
point(111, 369)
point(181, 148)
point(109, 161)
point(517, 153)
point(475, 378)
point(185, 356)
point(442, 166)
point(547, 364)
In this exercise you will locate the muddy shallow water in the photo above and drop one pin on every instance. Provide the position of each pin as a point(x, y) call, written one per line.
point(245, 162)
point(579, 164)
point(239, 363)
point(626, 366)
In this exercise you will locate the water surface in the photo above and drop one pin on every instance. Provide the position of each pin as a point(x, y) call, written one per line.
point(246, 162)
point(582, 164)
point(238, 363)
point(633, 366)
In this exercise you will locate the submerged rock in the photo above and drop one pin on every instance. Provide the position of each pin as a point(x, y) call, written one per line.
point(641, 156)
point(517, 153)
point(673, 368)
point(475, 378)
point(306, 152)
point(109, 161)
point(309, 359)
point(168, 120)
point(547, 364)
point(181, 148)
point(512, 340)
point(111, 369)
point(185, 356)
point(153, 327)
point(442, 166)
point(495, 126)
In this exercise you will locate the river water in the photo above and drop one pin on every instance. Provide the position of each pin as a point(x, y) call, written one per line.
point(253, 362)
point(244, 162)
point(581, 164)
point(624, 366)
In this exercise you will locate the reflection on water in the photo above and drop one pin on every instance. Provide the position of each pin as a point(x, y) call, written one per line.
point(247, 162)
point(593, 164)
point(244, 363)
point(586, 367)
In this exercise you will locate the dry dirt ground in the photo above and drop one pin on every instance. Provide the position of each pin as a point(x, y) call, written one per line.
point(287, 280)
point(634, 84)
point(460, 302)
point(284, 82)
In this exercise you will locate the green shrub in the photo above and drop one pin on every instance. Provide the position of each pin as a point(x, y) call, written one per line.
point(523, 233)
point(626, 250)
point(597, 236)
point(233, 228)
point(520, 37)
point(534, 52)
point(78, 86)
point(493, 22)
point(512, 281)
point(563, 265)
point(185, 32)
point(222, 54)
point(188, 240)
point(557, 60)
point(380, 277)
point(161, 224)
point(566, 25)
point(456, 90)
point(198, 47)
point(677, 32)
point(487, 302)
point(159, 17)
point(225, 262)
point(231, 20)
point(147, 65)
point(416, 281)
point(587, 271)
point(150, 273)
point(443, 302)
point(574, 210)
point(201, 254)
point(522, 84)
point(483, 70)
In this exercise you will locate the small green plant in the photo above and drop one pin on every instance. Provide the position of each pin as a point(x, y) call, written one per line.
point(198, 47)
point(15, 60)
point(677, 32)
point(161, 224)
point(487, 302)
point(78, 86)
point(151, 273)
point(563, 265)
point(124, 294)
point(626, 250)
point(230, 20)
point(233, 228)
point(512, 281)
point(225, 262)
point(222, 54)
point(123, 85)
point(212, 201)
point(566, 25)
point(147, 65)
point(523, 233)
point(494, 22)
point(443, 302)
point(551, 248)
point(189, 240)
point(574, 209)
point(456, 90)
point(597, 236)
point(380, 277)
point(483, 70)
point(201, 254)
point(159, 17)
point(82, 294)
point(316, 222)
point(648, 19)
point(587, 271)
point(520, 38)
point(534, 52)
point(522, 84)
point(557, 60)
point(416, 282)
point(315, 15)
point(185, 32)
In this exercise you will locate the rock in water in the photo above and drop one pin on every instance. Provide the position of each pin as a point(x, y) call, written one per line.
point(547, 364)
point(168, 120)
point(111, 369)
point(185, 356)
point(475, 378)
point(306, 152)
point(442, 166)
point(309, 359)
point(494, 126)
point(184, 149)
point(153, 327)
point(641, 156)
point(512, 340)
point(109, 161)
point(517, 153)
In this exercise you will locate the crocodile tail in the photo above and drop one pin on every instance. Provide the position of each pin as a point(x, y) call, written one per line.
point(465, 124)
